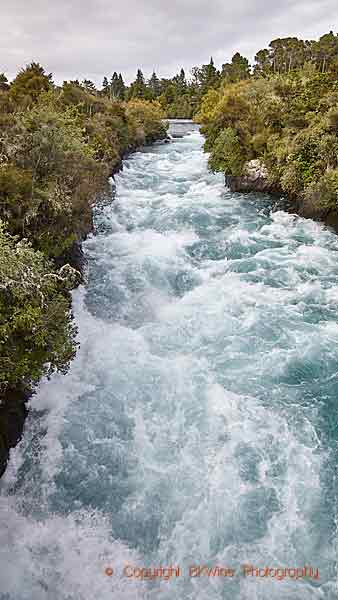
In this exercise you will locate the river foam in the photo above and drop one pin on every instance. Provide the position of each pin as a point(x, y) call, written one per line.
point(197, 425)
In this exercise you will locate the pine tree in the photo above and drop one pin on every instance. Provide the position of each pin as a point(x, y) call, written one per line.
point(114, 86)
point(122, 87)
point(138, 88)
point(89, 86)
point(206, 76)
point(105, 87)
point(154, 85)
point(3, 83)
point(180, 82)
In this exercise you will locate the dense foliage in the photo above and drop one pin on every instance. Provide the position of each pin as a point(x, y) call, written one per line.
point(285, 117)
point(36, 332)
point(181, 95)
point(58, 145)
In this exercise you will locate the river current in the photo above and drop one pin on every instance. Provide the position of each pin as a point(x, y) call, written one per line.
point(197, 425)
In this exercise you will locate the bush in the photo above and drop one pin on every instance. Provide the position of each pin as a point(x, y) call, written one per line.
point(37, 335)
point(322, 195)
point(146, 118)
point(50, 177)
point(227, 154)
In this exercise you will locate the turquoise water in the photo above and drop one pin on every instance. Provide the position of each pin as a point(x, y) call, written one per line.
point(198, 422)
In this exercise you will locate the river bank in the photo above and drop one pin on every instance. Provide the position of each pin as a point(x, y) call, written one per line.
point(13, 404)
point(257, 182)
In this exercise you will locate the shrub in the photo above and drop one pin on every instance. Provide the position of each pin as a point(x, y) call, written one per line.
point(227, 154)
point(322, 195)
point(147, 116)
point(37, 335)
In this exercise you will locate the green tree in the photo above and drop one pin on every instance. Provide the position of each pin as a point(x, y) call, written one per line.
point(143, 113)
point(122, 87)
point(262, 67)
point(206, 76)
point(180, 83)
point(138, 88)
point(105, 87)
point(287, 54)
point(117, 88)
point(3, 83)
point(227, 153)
point(325, 51)
point(237, 70)
point(30, 83)
point(47, 155)
point(154, 85)
point(89, 86)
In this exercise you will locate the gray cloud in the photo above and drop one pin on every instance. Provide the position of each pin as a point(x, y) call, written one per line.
point(93, 38)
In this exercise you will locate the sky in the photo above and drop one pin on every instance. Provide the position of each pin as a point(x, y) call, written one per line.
point(76, 39)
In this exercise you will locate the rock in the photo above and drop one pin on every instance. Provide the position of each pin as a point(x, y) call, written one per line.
point(255, 179)
point(13, 413)
point(74, 256)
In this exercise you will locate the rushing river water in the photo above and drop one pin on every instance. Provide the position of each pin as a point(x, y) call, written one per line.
point(198, 422)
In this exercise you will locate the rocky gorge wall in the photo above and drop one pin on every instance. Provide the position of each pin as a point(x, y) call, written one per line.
point(255, 179)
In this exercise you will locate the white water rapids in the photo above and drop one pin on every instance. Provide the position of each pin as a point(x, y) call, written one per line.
point(198, 422)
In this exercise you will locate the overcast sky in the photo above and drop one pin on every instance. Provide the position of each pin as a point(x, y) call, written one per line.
point(93, 38)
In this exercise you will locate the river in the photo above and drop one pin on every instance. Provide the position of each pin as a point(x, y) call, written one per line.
point(197, 425)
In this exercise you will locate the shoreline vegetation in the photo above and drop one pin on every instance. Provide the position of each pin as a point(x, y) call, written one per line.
point(58, 148)
point(270, 127)
point(274, 127)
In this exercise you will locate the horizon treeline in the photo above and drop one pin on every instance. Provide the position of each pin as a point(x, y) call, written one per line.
point(181, 95)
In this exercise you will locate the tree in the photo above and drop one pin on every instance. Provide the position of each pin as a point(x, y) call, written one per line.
point(325, 51)
point(105, 87)
point(122, 87)
point(237, 70)
point(143, 113)
point(138, 88)
point(169, 94)
point(287, 54)
point(227, 154)
point(114, 84)
point(206, 76)
point(262, 67)
point(3, 83)
point(181, 83)
point(30, 83)
point(89, 86)
point(154, 85)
